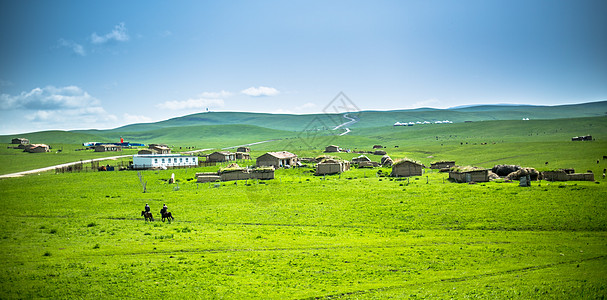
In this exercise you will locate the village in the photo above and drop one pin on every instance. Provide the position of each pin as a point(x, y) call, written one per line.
point(160, 156)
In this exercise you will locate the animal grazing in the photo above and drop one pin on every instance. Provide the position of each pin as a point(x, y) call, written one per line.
point(147, 215)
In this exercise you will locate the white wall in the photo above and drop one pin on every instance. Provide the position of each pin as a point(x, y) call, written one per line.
point(144, 161)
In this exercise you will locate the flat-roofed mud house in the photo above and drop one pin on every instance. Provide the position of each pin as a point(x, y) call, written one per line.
point(332, 166)
point(469, 174)
point(332, 148)
point(277, 159)
point(160, 148)
point(406, 168)
point(221, 156)
point(147, 151)
point(107, 148)
point(442, 164)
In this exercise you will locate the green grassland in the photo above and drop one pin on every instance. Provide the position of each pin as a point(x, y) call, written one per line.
point(358, 235)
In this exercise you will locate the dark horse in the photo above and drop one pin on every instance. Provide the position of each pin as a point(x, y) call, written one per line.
point(166, 215)
point(147, 215)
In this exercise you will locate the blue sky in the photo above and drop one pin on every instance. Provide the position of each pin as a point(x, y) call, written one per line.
point(102, 64)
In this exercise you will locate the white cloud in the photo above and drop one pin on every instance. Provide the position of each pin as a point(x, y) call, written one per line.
point(426, 103)
point(49, 98)
point(199, 103)
point(119, 34)
point(216, 95)
point(281, 111)
point(130, 119)
point(53, 107)
point(75, 47)
point(307, 105)
point(260, 91)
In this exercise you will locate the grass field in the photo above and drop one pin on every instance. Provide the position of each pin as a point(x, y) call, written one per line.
point(358, 235)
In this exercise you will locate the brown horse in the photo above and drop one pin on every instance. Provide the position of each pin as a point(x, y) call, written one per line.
point(147, 215)
point(166, 215)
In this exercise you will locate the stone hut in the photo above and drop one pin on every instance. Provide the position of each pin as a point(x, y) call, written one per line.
point(221, 156)
point(332, 148)
point(243, 149)
point(406, 168)
point(277, 159)
point(469, 174)
point(332, 166)
point(37, 148)
point(20, 141)
point(107, 148)
point(160, 148)
point(442, 164)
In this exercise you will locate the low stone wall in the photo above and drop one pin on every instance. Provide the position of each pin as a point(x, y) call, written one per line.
point(207, 178)
point(581, 177)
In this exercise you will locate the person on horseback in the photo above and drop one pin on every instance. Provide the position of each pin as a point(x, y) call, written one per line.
point(147, 208)
point(165, 209)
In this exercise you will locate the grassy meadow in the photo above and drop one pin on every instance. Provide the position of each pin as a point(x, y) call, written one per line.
point(358, 235)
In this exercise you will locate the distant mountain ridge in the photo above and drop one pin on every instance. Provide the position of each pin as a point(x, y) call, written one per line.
point(260, 125)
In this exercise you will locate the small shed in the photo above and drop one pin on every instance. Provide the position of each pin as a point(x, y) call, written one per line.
point(243, 149)
point(377, 146)
point(20, 141)
point(107, 148)
point(332, 148)
point(442, 164)
point(277, 159)
point(406, 167)
point(37, 148)
point(221, 156)
point(160, 148)
point(469, 174)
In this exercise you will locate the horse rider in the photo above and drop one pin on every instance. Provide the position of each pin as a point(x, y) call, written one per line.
point(147, 208)
point(165, 209)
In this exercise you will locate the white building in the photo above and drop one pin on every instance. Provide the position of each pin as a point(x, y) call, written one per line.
point(147, 161)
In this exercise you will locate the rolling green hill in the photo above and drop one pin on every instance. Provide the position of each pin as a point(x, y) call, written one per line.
point(189, 129)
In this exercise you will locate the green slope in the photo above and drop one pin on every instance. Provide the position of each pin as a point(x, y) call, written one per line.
point(57, 136)
point(205, 136)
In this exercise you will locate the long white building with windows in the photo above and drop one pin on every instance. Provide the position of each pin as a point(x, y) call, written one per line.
point(148, 161)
